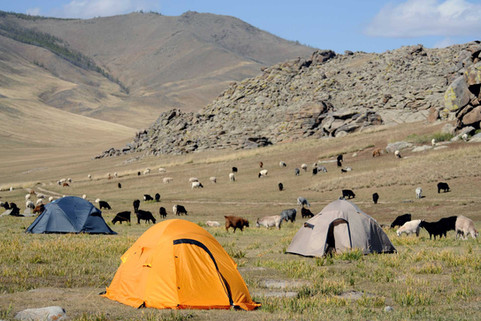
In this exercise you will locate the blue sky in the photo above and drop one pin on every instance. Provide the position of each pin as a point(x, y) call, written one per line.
point(356, 25)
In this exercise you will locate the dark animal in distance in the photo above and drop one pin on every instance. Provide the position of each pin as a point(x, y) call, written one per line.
point(65, 184)
point(289, 215)
point(121, 217)
point(347, 193)
point(119, 185)
point(5, 205)
point(39, 209)
point(15, 210)
point(439, 228)
point(104, 204)
point(235, 222)
point(376, 152)
point(305, 212)
point(234, 169)
point(157, 197)
point(280, 186)
point(138, 173)
point(401, 219)
point(443, 186)
point(261, 164)
point(136, 204)
point(375, 198)
point(297, 171)
point(162, 212)
point(339, 160)
point(147, 197)
point(179, 210)
point(144, 215)
point(314, 171)
point(301, 201)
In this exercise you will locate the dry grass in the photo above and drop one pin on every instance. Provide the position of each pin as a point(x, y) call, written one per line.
point(426, 279)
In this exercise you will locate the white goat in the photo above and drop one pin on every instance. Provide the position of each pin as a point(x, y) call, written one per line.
point(197, 185)
point(193, 179)
point(232, 177)
point(410, 228)
point(419, 192)
point(263, 173)
point(282, 164)
point(270, 221)
point(167, 180)
point(304, 167)
point(464, 227)
point(213, 179)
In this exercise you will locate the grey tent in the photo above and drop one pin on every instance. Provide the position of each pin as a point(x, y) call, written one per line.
point(340, 226)
point(70, 214)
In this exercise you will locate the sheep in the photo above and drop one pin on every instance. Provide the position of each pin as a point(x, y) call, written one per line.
point(121, 217)
point(179, 209)
point(162, 212)
point(50, 198)
point(234, 169)
point(69, 180)
point(116, 174)
point(440, 227)
point(376, 152)
point(409, 228)
point(40, 196)
point(213, 179)
point(263, 173)
point(147, 197)
point(167, 180)
point(39, 201)
point(212, 223)
point(375, 197)
point(345, 170)
point(147, 171)
point(301, 201)
point(270, 221)
point(193, 179)
point(29, 204)
point(197, 185)
point(304, 167)
point(289, 215)
point(104, 204)
point(443, 186)
point(282, 164)
point(27, 197)
point(232, 177)
point(347, 193)
point(397, 154)
point(144, 215)
point(280, 186)
point(305, 212)
point(464, 227)
point(136, 205)
point(157, 197)
point(297, 172)
point(401, 219)
point(419, 192)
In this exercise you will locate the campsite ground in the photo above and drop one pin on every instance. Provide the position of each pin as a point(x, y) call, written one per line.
point(426, 279)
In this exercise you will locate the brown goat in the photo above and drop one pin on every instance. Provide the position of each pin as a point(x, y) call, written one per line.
point(235, 222)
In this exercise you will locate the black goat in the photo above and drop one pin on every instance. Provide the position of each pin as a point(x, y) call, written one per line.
point(281, 186)
point(104, 204)
point(144, 215)
point(121, 217)
point(234, 169)
point(443, 186)
point(305, 212)
point(119, 185)
point(347, 193)
point(401, 219)
point(157, 197)
point(441, 227)
point(147, 197)
point(375, 197)
point(162, 212)
point(136, 204)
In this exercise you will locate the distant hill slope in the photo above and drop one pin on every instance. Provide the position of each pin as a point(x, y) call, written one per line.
point(126, 69)
point(327, 95)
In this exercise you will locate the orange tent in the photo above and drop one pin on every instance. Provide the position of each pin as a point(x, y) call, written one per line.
point(177, 264)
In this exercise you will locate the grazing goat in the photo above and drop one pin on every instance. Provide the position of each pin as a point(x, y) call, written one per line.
point(375, 197)
point(29, 204)
point(297, 171)
point(147, 197)
point(157, 197)
point(376, 152)
point(104, 204)
point(162, 170)
point(147, 171)
point(339, 160)
point(119, 185)
point(282, 164)
point(465, 227)
point(234, 169)
point(232, 177)
point(235, 222)
point(15, 210)
point(212, 223)
point(345, 170)
point(193, 179)
point(261, 164)
point(443, 186)
point(27, 197)
point(263, 173)
point(304, 167)
point(400, 220)
point(289, 215)
point(197, 185)
point(167, 180)
point(397, 154)
point(39, 209)
point(270, 221)
point(65, 184)
point(121, 217)
point(314, 171)
point(305, 212)
point(439, 228)
point(321, 169)
point(419, 192)
point(280, 186)
point(39, 201)
point(136, 204)
point(301, 201)
point(410, 228)
point(162, 212)
point(213, 179)
point(179, 210)
point(347, 193)
point(144, 215)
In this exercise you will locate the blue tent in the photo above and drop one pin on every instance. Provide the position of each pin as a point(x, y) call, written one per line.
point(70, 214)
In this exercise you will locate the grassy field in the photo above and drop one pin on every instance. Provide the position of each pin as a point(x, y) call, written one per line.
point(426, 279)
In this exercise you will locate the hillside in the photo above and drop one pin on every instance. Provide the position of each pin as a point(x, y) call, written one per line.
point(326, 95)
point(138, 63)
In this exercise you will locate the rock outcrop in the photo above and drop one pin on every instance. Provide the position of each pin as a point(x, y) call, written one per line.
point(327, 95)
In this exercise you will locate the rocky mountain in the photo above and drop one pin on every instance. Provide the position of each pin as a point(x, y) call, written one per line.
point(326, 95)
point(138, 64)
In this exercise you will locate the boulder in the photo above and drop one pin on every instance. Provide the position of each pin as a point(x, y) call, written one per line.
point(457, 95)
point(475, 139)
point(473, 75)
point(472, 117)
point(422, 148)
point(392, 147)
point(52, 313)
